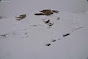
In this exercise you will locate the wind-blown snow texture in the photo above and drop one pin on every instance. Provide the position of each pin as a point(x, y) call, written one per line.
point(32, 38)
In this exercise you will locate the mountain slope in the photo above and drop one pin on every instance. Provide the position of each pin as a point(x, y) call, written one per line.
point(33, 38)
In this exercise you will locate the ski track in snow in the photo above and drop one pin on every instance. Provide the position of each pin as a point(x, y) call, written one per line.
point(63, 25)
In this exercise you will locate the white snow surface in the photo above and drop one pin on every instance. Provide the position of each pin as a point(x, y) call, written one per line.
point(27, 38)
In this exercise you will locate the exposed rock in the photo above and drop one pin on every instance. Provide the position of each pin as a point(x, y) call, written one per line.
point(48, 44)
point(39, 14)
point(47, 12)
point(48, 21)
point(66, 34)
point(4, 35)
point(55, 11)
point(21, 17)
point(53, 40)
point(50, 24)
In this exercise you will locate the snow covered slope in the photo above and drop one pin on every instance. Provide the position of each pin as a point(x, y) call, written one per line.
point(32, 38)
point(10, 8)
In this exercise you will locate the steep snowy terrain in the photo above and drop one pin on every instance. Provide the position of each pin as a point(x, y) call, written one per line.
point(32, 38)
point(10, 8)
